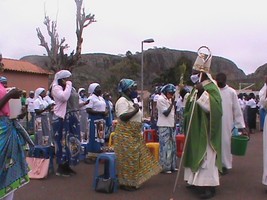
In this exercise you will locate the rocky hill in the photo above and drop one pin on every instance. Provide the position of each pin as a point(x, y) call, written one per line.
point(159, 65)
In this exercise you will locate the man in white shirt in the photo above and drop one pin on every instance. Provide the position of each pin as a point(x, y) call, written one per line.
point(232, 117)
point(154, 111)
point(30, 110)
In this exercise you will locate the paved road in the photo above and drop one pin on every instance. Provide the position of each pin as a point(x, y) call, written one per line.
point(242, 182)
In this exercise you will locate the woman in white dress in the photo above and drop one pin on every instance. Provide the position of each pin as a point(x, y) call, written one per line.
point(42, 126)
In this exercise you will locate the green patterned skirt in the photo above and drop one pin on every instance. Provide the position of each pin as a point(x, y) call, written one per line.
point(135, 162)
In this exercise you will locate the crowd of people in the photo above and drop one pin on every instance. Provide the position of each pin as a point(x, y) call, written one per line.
point(209, 114)
point(67, 119)
point(60, 118)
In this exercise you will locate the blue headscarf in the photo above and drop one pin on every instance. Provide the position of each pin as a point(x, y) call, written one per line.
point(125, 84)
point(168, 88)
point(3, 79)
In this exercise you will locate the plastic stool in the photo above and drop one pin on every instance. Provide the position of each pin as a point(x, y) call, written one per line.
point(180, 139)
point(111, 140)
point(43, 152)
point(154, 149)
point(150, 135)
point(109, 169)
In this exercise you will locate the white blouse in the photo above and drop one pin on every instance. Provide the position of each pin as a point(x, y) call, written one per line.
point(123, 105)
point(39, 103)
point(96, 103)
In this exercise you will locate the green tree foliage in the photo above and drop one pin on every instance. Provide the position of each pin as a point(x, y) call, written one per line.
point(173, 74)
point(127, 68)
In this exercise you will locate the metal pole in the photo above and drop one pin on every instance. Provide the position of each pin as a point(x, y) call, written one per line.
point(142, 78)
point(142, 72)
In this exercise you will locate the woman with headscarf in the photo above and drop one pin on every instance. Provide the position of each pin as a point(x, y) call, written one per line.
point(83, 117)
point(135, 162)
point(3, 81)
point(96, 109)
point(42, 123)
point(109, 117)
point(166, 129)
point(66, 126)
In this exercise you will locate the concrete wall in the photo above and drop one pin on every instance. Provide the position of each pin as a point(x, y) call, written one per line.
point(26, 81)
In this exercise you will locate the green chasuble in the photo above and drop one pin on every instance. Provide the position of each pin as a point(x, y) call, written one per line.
point(205, 127)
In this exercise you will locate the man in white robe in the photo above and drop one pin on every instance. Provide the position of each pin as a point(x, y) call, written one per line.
point(263, 100)
point(262, 110)
point(232, 117)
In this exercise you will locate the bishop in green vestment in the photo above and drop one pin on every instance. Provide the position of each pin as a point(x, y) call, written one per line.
point(202, 154)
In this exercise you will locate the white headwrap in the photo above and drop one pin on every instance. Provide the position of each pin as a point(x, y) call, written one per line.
point(38, 91)
point(92, 87)
point(80, 89)
point(59, 75)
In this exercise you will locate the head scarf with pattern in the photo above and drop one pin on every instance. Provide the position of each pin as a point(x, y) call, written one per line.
point(168, 88)
point(125, 84)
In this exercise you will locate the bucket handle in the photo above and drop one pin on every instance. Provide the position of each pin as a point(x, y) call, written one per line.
point(244, 134)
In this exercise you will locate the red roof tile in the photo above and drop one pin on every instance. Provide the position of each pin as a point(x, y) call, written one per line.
point(22, 66)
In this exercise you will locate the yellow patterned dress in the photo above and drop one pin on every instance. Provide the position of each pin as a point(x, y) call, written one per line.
point(135, 162)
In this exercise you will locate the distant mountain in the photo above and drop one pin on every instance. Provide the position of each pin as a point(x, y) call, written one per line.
point(159, 63)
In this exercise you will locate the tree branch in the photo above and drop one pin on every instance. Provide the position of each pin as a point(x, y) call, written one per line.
point(60, 60)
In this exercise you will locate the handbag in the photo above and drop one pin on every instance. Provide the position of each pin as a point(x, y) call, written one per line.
point(38, 167)
point(104, 185)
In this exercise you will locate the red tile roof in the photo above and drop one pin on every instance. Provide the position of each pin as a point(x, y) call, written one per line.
point(22, 66)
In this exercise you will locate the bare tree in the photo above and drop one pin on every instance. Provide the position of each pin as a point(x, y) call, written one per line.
point(56, 51)
point(1, 64)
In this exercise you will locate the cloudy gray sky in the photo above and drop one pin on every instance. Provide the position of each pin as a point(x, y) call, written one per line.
point(232, 29)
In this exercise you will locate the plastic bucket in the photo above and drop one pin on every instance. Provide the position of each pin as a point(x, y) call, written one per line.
point(180, 140)
point(239, 145)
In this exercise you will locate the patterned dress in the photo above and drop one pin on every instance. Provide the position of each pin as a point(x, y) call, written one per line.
point(135, 162)
point(67, 132)
point(13, 166)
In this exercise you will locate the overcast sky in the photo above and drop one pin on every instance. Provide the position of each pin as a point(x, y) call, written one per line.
point(233, 29)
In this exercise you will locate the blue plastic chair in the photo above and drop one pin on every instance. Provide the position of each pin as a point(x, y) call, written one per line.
point(109, 168)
